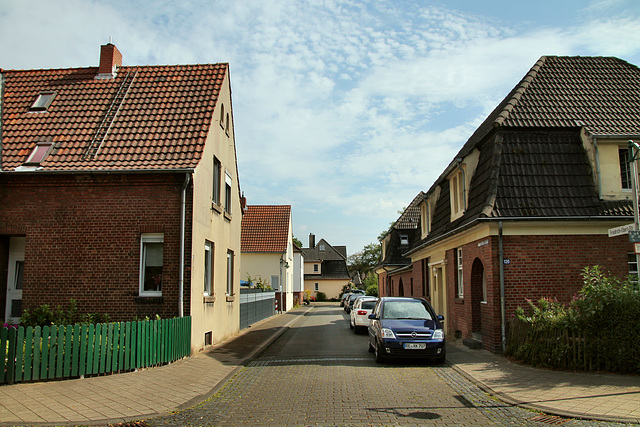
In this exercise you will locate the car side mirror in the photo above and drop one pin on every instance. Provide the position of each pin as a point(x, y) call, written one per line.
point(441, 317)
point(373, 317)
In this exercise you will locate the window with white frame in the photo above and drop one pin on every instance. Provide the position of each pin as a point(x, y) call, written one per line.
point(151, 263)
point(625, 168)
point(315, 268)
point(316, 287)
point(230, 262)
point(208, 267)
point(217, 180)
point(633, 266)
point(459, 276)
point(404, 239)
point(456, 188)
point(227, 192)
point(275, 282)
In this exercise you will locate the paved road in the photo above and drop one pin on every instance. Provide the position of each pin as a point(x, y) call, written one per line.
point(320, 373)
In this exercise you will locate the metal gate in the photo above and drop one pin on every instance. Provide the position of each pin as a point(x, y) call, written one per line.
point(255, 305)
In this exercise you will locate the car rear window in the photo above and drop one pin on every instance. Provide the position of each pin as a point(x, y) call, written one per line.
point(368, 305)
point(405, 310)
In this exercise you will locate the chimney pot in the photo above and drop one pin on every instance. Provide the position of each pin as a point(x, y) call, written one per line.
point(110, 60)
point(312, 240)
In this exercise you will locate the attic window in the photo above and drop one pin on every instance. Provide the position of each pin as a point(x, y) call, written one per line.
point(39, 153)
point(321, 247)
point(404, 239)
point(43, 101)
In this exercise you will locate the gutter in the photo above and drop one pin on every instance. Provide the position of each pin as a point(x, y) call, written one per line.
point(183, 208)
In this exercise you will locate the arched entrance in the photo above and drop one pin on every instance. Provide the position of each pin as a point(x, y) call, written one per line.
point(400, 288)
point(478, 295)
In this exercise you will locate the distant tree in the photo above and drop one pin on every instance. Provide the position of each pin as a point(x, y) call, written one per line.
point(370, 284)
point(363, 261)
point(297, 242)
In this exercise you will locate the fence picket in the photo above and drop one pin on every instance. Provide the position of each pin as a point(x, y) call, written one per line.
point(4, 350)
point(103, 347)
point(60, 352)
point(76, 351)
point(37, 351)
point(19, 361)
point(91, 348)
point(109, 349)
point(28, 354)
point(11, 355)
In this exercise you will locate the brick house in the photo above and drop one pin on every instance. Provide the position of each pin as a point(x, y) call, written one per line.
point(119, 189)
point(527, 202)
point(325, 268)
point(267, 249)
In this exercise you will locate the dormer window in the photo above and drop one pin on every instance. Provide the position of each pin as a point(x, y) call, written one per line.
point(39, 153)
point(43, 101)
point(321, 247)
point(404, 240)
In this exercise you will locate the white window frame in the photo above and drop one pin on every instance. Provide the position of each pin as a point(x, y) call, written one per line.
point(316, 287)
point(460, 275)
point(217, 178)
point(230, 272)
point(404, 239)
point(275, 282)
point(144, 239)
point(209, 252)
point(625, 169)
point(316, 268)
point(227, 192)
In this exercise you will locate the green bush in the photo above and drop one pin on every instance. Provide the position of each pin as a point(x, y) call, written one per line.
point(605, 312)
point(321, 296)
point(45, 315)
point(372, 290)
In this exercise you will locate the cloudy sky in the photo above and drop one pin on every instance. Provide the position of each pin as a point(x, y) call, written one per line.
point(343, 109)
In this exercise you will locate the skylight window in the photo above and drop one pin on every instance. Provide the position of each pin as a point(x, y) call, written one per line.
point(43, 101)
point(39, 153)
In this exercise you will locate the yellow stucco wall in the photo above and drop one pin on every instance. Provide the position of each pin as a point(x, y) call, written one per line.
point(332, 288)
point(222, 317)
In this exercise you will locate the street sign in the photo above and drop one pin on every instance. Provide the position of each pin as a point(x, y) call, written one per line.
point(623, 229)
point(637, 247)
point(634, 236)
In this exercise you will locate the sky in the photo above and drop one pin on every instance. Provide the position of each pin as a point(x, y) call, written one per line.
point(343, 109)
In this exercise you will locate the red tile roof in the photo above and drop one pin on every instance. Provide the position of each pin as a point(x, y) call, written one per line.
point(162, 122)
point(265, 228)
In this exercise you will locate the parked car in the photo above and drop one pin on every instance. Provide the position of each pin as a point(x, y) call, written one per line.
point(349, 301)
point(348, 292)
point(406, 327)
point(359, 316)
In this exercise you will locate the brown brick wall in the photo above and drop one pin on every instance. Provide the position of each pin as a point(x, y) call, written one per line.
point(83, 239)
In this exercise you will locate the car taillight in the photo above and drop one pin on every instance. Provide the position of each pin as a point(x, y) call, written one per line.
point(362, 312)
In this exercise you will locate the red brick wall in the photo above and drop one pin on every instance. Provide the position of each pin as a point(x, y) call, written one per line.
point(83, 239)
point(539, 266)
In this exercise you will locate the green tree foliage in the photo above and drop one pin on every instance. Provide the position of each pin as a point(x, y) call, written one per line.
point(297, 242)
point(363, 261)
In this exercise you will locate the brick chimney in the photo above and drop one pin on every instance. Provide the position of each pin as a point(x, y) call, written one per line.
point(312, 240)
point(110, 60)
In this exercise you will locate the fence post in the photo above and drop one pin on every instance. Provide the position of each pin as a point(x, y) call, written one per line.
point(11, 355)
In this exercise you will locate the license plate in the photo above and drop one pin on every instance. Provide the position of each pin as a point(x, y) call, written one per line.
point(415, 346)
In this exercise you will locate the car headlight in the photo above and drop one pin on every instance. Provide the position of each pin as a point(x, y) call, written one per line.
point(387, 333)
point(438, 334)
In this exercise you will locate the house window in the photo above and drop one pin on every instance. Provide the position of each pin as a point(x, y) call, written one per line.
point(625, 168)
point(43, 101)
point(316, 287)
point(17, 284)
point(459, 277)
point(226, 128)
point(208, 267)
point(227, 193)
point(39, 153)
point(425, 213)
point(222, 116)
point(151, 262)
point(315, 268)
point(275, 282)
point(321, 247)
point(633, 265)
point(217, 177)
point(456, 187)
point(404, 239)
point(230, 257)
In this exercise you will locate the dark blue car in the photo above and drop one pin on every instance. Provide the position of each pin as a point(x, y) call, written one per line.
point(406, 327)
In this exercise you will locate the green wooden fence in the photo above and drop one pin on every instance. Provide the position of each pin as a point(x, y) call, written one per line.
point(53, 352)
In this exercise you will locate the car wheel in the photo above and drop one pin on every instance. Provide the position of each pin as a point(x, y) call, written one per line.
point(371, 349)
point(379, 356)
point(351, 324)
point(356, 329)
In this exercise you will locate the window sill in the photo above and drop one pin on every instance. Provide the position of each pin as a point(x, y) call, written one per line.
point(141, 299)
point(216, 207)
point(231, 298)
point(208, 299)
point(227, 216)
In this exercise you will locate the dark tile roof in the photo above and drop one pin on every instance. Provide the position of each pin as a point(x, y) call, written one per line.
point(407, 224)
point(162, 123)
point(532, 162)
point(265, 228)
point(333, 260)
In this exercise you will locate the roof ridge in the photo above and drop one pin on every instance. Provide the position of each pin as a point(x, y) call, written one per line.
point(522, 88)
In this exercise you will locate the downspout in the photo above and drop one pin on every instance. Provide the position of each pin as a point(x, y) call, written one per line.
point(183, 208)
point(594, 139)
point(464, 184)
point(502, 301)
point(1, 109)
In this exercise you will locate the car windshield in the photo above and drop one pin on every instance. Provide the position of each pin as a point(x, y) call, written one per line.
point(405, 310)
point(368, 305)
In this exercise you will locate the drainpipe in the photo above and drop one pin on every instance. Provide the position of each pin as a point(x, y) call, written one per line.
point(502, 301)
point(1, 108)
point(597, 156)
point(464, 184)
point(183, 208)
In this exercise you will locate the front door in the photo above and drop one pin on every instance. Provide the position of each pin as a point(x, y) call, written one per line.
point(438, 290)
point(14, 280)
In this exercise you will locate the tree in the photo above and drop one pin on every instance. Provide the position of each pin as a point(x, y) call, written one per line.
point(297, 242)
point(363, 261)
